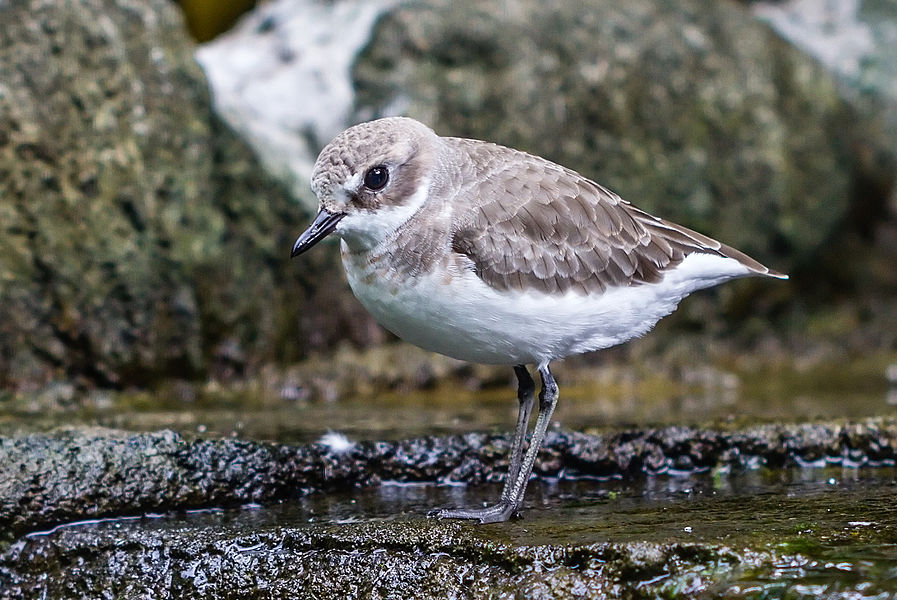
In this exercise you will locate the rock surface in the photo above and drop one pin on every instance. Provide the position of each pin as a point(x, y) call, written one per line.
point(138, 237)
point(853, 38)
point(700, 113)
point(283, 78)
point(47, 479)
point(383, 560)
point(140, 240)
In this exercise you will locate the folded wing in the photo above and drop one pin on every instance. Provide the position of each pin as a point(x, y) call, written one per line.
point(547, 228)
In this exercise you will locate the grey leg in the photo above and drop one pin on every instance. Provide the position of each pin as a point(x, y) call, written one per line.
point(518, 475)
point(526, 389)
point(548, 400)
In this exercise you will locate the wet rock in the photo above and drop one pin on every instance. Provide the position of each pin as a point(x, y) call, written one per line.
point(47, 479)
point(418, 559)
point(138, 237)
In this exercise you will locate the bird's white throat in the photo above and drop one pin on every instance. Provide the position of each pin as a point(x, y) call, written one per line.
point(365, 230)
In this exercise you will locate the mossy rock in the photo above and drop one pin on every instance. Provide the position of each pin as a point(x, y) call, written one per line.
point(139, 238)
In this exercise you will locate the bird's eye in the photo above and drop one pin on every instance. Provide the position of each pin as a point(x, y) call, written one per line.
point(376, 178)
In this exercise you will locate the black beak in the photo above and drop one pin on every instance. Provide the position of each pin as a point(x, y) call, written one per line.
point(324, 223)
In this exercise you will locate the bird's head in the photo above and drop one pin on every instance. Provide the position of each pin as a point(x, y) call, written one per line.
point(369, 180)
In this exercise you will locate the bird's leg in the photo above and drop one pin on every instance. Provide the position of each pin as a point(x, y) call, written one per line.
point(518, 475)
point(548, 400)
point(503, 510)
point(526, 389)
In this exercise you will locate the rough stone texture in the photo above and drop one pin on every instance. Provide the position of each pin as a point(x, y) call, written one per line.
point(140, 240)
point(367, 560)
point(138, 237)
point(854, 39)
point(828, 542)
point(691, 110)
point(46, 479)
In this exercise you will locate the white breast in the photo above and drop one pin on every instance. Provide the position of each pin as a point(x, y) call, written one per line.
point(458, 315)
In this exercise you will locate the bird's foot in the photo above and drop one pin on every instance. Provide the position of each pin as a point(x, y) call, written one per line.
point(497, 513)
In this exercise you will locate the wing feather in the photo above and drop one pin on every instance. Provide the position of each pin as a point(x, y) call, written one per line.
point(547, 228)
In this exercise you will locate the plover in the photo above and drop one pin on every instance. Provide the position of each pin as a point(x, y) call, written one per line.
point(492, 255)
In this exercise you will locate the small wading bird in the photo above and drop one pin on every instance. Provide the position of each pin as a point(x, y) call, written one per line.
point(491, 255)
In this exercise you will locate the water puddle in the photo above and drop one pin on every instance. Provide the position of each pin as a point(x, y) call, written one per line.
point(828, 529)
point(832, 531)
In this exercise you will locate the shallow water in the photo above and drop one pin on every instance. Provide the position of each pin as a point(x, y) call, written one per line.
point(829, 530)
point(593, 398)
point(832, 530)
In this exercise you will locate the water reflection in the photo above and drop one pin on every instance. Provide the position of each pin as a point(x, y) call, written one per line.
point(592, 399)
point(830, 528)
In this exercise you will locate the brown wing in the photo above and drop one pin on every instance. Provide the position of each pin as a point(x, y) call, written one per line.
point(536, 225)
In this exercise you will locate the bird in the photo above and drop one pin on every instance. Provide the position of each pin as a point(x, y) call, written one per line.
point(492, 255)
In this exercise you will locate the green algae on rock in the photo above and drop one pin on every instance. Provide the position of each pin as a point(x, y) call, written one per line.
point(139, 238)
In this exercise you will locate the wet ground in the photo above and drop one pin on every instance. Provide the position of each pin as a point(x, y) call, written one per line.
point(609, 396)
point(825, 525)
point(797, 533)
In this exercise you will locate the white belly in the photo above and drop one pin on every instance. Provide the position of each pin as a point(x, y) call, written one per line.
point(462, 317)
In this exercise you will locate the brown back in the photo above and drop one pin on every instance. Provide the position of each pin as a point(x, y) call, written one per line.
point(527, 223)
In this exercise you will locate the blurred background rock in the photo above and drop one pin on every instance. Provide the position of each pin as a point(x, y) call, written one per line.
point(145, 223)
